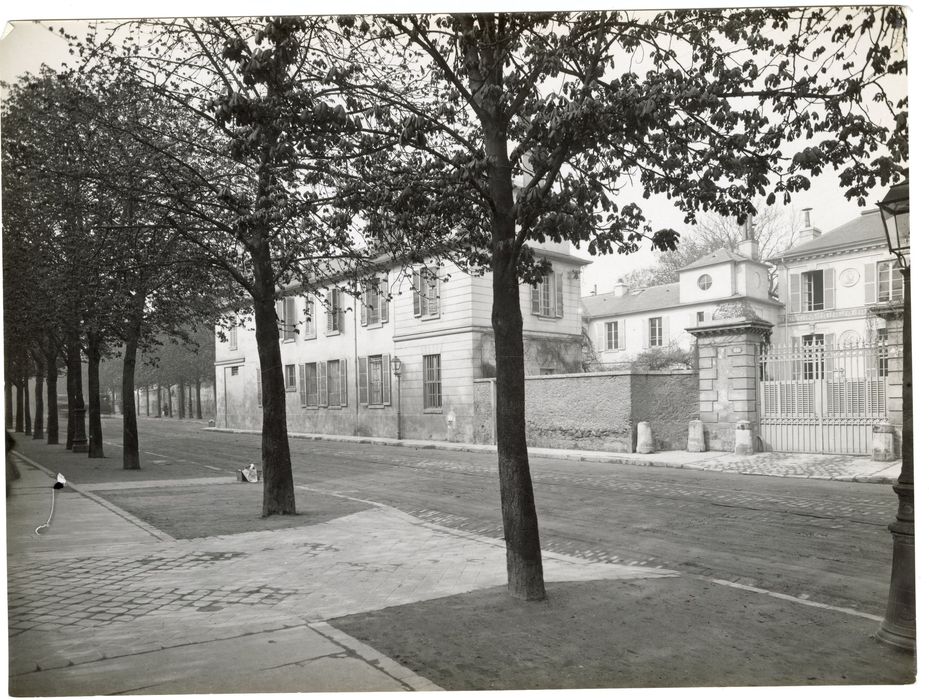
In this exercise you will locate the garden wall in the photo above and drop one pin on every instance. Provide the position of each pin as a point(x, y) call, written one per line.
point(598, 411)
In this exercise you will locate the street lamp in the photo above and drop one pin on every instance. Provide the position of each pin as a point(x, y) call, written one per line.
point(396, 365)
point(899, 625)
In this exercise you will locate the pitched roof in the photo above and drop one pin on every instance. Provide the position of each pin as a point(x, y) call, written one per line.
point(662, 296)
point(865, 230)
point(716, 257)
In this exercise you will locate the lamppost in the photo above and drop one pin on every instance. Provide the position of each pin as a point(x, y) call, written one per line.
point(396, 365)
point(899, 625)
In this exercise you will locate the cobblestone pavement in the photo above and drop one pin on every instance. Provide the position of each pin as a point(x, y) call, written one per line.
point(782, 464)
point(116, 608)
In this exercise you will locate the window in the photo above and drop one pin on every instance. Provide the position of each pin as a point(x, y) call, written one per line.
point(287, 318)
point(309, 315)
point(655, 334)
point(432, 381)
point(548, 296)
point(374, 304)
point(612, 335)
point(310, 385)
point(812, 291)
point(374, 380)
point(334, 312)
point(234, 371)
point(336, 384)
point(290, 377)
point(700, 316)
point(704, 282)
point(426, 292)
point(814, 356)
point(233, 338)
point(889, 281)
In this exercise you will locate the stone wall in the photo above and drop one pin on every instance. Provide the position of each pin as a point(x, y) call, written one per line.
point(598, 411)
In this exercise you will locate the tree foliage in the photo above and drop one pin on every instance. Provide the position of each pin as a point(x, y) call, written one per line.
point(774, 229)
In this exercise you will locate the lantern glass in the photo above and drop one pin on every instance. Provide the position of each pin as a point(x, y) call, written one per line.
point(895, 213)
point(395, 363)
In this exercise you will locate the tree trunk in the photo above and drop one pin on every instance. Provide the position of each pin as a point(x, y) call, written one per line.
point(77, 435)
point(148, 403)
point(95, 443)
point(199, 403)
point(20, 427)
point(190, 401)
point(520, 523)
point(27, 405)
point(159, 405)
point(275, 447)
point(51, 392)
point(170, 402)
point(38, 425)
point(130, 423)
point(180, 399)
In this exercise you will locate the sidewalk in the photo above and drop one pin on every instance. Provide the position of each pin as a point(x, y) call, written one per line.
point(783, 464)
point(375, 600)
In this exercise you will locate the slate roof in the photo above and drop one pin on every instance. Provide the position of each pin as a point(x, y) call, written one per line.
point(865, 230)
point(662, 296)
point(716, 257)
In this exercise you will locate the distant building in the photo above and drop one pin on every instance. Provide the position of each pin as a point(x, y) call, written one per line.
point(624, 323)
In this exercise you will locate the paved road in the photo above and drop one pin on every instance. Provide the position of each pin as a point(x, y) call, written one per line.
point(826, 541)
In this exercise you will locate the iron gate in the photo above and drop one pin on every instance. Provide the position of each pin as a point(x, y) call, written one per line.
point(821, 398)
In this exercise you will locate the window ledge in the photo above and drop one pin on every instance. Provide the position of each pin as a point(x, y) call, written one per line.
point(433, 410)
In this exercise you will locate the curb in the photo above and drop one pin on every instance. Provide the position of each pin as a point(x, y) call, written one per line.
point(572, 455)
point(125, 515)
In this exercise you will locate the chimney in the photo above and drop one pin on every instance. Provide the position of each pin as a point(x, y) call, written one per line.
point(621, 288)
point(807, 231)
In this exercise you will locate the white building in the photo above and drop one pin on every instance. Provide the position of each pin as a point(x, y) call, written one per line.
point(829, 281)
point(337, 349)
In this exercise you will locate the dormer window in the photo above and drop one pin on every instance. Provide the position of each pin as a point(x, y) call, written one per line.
point(704, 282)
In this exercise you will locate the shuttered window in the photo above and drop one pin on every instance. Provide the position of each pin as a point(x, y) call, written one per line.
point(547, 297)
point(334, 312)
point(426, 292)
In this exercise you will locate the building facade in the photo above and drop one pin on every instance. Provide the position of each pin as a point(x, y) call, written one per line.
point(831, 282)
point(338, 352)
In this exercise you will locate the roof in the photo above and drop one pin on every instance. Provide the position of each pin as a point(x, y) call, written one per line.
point(717, 256)
point(865, 230)
point(662, 296)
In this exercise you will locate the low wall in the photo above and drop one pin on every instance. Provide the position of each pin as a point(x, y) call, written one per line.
point(598, 411)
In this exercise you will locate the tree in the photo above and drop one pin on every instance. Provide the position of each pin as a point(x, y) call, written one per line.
point(250, 177)
point(772, 228)
point(491, 131)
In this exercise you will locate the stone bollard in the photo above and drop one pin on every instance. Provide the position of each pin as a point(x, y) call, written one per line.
point(882, 442)
point(695, 440)
point(644, 443)
point(744, 438)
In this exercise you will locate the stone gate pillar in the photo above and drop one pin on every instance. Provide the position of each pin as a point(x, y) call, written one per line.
point(893, 316)
point(728, 351)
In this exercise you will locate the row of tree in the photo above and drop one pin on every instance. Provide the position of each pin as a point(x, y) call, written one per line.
point(280, 152)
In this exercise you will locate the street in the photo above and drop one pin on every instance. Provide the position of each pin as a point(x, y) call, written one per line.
point(819, 540)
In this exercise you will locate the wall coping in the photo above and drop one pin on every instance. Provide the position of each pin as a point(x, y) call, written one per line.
point(615, 373)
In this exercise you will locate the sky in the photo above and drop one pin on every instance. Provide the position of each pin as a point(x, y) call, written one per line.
point(28, 45)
